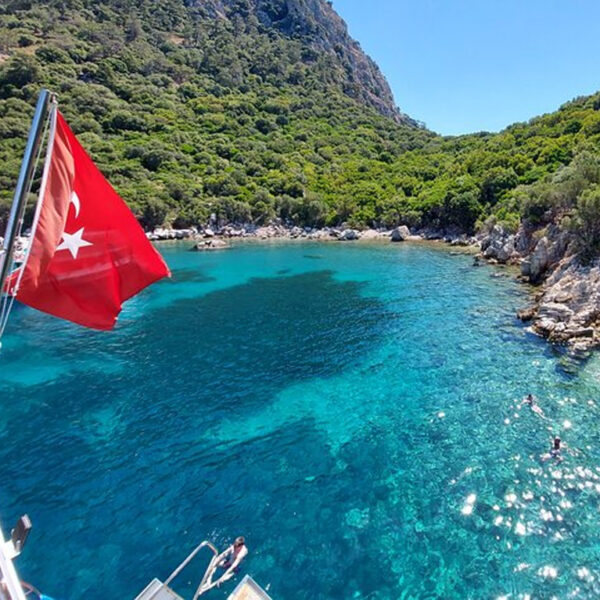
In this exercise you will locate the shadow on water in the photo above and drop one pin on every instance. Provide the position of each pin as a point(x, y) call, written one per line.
point(103, 450)
point(188, 276)
point(362, 436)
point(275, 331)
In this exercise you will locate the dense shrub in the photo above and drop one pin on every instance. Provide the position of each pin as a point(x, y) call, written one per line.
point(586, 223)
point(20, 71)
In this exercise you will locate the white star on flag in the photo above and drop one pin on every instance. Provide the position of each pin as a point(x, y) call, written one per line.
point(72, 242)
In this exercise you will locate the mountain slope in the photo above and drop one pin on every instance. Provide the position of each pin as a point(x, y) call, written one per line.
point(319, 27)
point(246, 108)
point(197, 107)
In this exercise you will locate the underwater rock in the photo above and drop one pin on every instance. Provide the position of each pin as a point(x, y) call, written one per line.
point(357, 518)
point(210, 244)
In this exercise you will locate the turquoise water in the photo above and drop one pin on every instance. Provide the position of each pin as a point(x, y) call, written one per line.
point(350, 409)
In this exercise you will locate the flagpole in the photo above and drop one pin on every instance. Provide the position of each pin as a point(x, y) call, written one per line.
point(26, 174)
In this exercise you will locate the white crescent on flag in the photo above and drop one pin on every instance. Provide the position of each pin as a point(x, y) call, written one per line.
point(76, 203)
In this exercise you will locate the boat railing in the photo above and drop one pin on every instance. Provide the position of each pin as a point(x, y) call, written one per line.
point(205, 584)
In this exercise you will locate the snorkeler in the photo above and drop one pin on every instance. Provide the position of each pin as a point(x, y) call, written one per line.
point(531, 401)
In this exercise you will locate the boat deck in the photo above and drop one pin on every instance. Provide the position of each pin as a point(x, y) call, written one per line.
point(248, 589)
point(156, 590)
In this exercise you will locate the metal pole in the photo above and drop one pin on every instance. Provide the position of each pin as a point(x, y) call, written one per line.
point(25, 175)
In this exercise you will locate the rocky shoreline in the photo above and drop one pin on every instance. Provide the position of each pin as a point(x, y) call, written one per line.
point(565, 307)
point(282, 232)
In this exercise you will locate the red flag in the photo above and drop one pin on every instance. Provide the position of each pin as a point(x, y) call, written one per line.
point(88, 254)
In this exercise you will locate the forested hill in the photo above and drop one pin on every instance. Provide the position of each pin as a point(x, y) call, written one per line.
point(247, 108)
point(324, 33)
point(255, 109)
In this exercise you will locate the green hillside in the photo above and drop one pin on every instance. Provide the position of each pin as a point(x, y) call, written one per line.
point(192, 108)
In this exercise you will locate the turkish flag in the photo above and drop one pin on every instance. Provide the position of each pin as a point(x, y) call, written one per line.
point(88, 253)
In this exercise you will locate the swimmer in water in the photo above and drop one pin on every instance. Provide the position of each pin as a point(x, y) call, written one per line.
point(231, 558)
point(531, 401)
point(556, 451)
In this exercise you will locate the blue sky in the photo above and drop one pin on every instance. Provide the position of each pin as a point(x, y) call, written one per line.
point(464, 65)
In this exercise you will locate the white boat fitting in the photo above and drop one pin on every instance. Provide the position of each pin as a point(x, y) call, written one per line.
point(247, 589)
point(11, 587)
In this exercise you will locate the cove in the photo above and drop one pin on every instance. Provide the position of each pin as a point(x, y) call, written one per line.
point(350, 409)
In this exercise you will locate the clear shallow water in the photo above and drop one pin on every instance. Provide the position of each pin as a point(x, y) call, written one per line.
point(350, 409)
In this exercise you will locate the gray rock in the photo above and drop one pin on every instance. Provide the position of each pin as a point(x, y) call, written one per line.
point(370, 234)
point(527, 313)
point(539, 261)
point(567, 310)
point(545, 326)
point(588, 313)
point(400, 234)
point(348, 235)
point(493, 249)
point(555, 311)
point(581, 332)
point(172, 234)
point(522, 241)
point(495, 238)
point(508, 250)
point(498, 245)
point(558, 247)
point(460, 241)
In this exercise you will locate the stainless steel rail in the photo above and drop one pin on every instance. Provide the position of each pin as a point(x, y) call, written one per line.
point(206, 582)
point(25, 175)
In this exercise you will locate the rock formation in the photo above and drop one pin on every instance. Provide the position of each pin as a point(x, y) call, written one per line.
point(400, 234)
point(316, 24)
point(567, 305)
